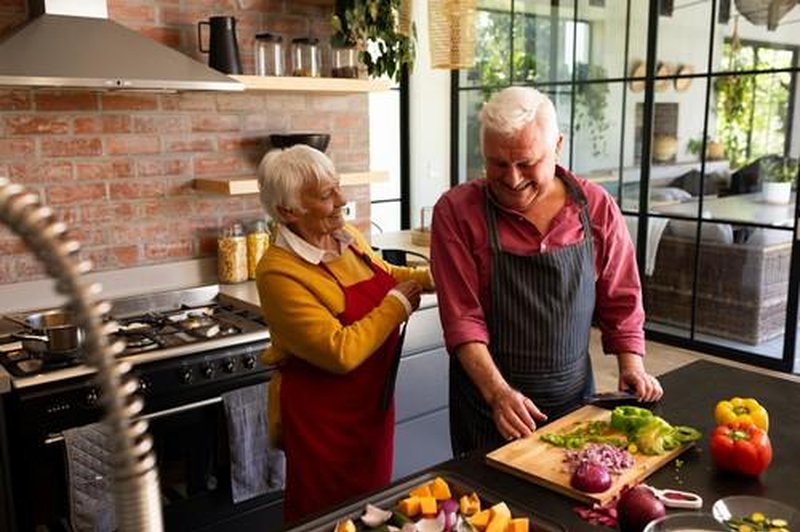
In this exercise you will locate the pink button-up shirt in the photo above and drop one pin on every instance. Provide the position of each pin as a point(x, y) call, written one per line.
point(461, 262)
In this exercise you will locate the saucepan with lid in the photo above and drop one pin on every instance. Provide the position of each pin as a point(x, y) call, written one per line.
point(52, 333)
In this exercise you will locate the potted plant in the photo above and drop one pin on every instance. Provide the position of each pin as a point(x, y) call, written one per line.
point(715, 151)
point(779, 174)
point(372, 26)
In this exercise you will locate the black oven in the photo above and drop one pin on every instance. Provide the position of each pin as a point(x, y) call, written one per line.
point(184, 406)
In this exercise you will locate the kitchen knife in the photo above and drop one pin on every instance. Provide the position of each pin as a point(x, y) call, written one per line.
point(612, 400)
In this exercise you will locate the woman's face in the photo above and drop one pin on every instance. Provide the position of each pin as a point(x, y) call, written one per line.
point(322, 205)
point(520, 168)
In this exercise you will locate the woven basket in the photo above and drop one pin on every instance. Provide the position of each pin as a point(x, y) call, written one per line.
point(404, 17)
point(452, 32)
point(764, 12)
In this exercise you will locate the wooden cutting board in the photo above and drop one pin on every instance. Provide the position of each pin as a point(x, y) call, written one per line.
point(543, 463)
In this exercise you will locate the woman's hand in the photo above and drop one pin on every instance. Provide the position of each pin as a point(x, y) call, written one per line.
point(412, 291)
point(515, 415)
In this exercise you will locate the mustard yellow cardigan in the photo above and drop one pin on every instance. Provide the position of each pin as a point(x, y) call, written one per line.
point(300, 302)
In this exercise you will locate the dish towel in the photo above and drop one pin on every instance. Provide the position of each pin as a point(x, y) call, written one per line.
point(655, 229)
point(89, 468)
point(256, 468)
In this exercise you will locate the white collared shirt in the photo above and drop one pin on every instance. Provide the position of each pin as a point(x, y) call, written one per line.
point(288, 240)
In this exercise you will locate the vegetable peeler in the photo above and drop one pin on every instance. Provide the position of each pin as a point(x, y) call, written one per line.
point(677, 499)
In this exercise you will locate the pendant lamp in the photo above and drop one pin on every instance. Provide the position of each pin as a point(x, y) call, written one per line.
point(765, 12)
point(452, 33)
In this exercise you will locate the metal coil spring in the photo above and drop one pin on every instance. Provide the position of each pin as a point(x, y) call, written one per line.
point(135, 476)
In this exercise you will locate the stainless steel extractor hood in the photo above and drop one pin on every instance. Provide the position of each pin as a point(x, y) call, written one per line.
point(71, 43)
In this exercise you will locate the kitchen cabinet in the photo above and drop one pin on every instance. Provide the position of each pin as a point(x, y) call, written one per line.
point(422, 430)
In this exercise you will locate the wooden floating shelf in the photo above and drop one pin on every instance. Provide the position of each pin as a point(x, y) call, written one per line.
point(235, 186)
point(306, 84)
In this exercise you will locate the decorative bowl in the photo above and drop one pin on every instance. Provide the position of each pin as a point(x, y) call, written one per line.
point(742, 506)
point(685, 522)
point(318, 141)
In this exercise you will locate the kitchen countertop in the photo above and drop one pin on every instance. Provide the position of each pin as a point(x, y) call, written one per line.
point(247, 293)
point(690, 395)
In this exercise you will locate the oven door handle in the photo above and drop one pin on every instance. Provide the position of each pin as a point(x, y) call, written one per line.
point(55, 438)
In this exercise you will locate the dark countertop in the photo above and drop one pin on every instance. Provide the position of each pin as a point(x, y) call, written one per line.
point(691, 393)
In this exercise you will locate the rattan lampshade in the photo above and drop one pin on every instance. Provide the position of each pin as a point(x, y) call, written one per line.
point(452, 33)
point(404, 17)
point(765, 12)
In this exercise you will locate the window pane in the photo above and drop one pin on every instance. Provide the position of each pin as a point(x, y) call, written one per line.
point(492, 49)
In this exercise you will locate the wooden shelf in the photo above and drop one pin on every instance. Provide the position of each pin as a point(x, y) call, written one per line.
point(234, 186)
point(320, 85)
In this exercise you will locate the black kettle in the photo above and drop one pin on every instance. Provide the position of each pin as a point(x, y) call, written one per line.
point(223, 50)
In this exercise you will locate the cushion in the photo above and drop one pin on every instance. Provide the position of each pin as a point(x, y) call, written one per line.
point(769, 237)
point(711, 232)
point(671, 194)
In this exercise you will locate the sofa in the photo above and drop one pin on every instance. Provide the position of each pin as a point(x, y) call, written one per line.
point(742, 288)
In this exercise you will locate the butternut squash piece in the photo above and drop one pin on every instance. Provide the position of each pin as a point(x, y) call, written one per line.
point(345, 526)
point(427, 505)
point(499, 523)
point(469, 504)
point(481, 519)
point(519, 524)
point(500, 509)
point(409, 506)
point(440, 489)
point(422, 491)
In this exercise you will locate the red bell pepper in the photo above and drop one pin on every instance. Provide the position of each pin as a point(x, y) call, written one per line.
point(741, 447)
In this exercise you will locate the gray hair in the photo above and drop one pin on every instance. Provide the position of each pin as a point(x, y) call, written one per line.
point(282, 175)
point(514, 108)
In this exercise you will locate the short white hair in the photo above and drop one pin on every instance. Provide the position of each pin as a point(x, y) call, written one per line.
point(283, 174)
point(514, 108)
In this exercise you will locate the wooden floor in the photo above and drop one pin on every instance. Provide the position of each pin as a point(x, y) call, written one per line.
point(660, 359)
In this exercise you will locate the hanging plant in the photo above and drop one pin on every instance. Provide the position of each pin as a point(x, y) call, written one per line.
point(373, 26)
point(590, 106)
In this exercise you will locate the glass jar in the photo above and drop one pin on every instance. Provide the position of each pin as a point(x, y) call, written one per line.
point(257, 244)
point(232, 255)
point(306, 57)
point(344, 62)
point(269, 55)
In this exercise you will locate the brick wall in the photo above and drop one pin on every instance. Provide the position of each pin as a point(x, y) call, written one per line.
point(118, 167)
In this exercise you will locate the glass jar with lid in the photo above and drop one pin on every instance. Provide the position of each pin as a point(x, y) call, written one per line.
point(306, 57)
point(344, 62)
point(257, 244)
point(269, 55)
point(232, 255)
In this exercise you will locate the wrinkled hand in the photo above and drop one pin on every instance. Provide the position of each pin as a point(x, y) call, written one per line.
point(645, 386)
point(514, 414)
point(412, 290)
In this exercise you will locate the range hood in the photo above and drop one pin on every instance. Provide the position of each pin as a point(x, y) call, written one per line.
point(71, 43)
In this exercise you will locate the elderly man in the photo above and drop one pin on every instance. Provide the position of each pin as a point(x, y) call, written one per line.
point(524, 260)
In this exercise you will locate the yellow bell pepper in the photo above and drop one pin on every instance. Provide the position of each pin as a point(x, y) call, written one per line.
point(742, 409)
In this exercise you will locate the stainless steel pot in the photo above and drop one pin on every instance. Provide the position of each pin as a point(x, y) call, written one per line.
point(54, 331)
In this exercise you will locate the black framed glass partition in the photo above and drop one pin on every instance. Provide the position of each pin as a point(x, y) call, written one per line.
point(686, 112)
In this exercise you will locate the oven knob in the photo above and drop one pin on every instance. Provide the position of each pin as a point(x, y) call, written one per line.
point(250, 362)
point(229, 365)
point(185, 375)
point(143, 385)
point(207, 370)
point(91, 398)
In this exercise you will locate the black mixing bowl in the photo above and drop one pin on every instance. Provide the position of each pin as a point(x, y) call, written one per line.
point(318, 141)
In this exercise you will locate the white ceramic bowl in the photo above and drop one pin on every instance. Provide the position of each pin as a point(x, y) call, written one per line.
point(685, 522)
point(745, 505)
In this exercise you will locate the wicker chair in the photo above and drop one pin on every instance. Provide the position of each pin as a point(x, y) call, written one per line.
point(741, 290)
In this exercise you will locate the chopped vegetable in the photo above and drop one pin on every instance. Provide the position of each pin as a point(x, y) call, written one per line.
point(374, 516)
point(583, 433)
point(612, 458)
point(591, 478)
point(741, 447)
point(346, 525)
point(629, 419)
point(469, 504)
point(757, 522)
point(742, 409)
point(656, 437)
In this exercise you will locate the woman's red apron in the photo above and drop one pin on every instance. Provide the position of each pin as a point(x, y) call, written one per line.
point(339, 441)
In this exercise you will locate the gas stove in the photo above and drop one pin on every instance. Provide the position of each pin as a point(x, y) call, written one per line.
point(155, 327)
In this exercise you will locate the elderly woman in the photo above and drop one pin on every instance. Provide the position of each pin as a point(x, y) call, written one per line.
point(334, 311)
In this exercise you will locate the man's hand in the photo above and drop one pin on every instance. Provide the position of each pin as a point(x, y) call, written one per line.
point(412, 290)
point(514, 414)
point(633, 377)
